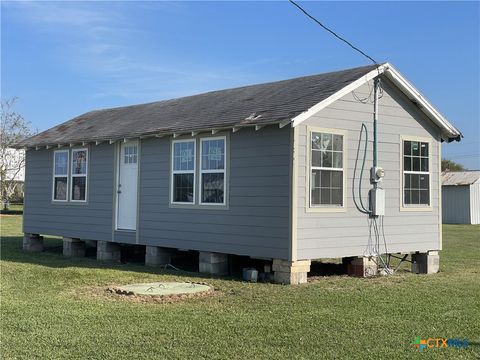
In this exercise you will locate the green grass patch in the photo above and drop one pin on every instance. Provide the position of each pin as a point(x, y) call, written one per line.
point(13, 209)
point(49, 311)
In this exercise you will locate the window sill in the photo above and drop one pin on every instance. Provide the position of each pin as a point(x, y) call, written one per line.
point(199, 206)
point(325, 209)
point(416, 208)
point(68, 202)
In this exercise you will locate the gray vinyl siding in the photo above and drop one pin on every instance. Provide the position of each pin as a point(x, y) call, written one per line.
point(256, 220)
point(91, 220)
point(340, 234)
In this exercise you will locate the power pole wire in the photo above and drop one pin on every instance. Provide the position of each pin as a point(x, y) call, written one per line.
point(332, 32)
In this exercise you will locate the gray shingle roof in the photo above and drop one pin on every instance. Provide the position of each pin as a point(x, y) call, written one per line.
point(249, 105)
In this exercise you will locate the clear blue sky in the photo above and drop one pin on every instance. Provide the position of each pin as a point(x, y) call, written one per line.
point(62, 59)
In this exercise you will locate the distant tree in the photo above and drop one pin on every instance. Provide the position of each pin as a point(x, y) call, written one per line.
point(12, 162)
point(450, 165)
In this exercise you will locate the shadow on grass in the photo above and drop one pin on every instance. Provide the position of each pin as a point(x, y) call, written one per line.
point(11, 212)
point(52, 256)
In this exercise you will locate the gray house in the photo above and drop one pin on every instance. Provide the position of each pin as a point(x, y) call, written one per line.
point(461, 197)
point(270, 171)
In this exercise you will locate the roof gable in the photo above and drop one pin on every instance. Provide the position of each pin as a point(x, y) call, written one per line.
point(449, 132)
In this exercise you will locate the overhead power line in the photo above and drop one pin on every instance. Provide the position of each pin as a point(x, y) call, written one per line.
point(333, 32)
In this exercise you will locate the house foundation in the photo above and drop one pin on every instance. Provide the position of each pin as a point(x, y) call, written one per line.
point(290, 272)
point(213, 263)
point(32, 242)
point(426, 263)
point(364, 266)
point(73, 247)
point(156, 255)
point(108, 251)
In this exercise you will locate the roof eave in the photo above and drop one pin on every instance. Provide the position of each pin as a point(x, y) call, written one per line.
point(448, 131)
point(175, 133)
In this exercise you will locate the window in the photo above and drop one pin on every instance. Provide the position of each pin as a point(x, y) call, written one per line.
point(79, 175)
point(183, 171)
point(326, 170)
point(212, 171)
point(416, 173)
point(60, 175)
point(130, 154)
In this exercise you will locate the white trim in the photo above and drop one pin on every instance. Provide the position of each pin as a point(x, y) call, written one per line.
point(308, 196)
point(215, 171)
point(432, 113)
point(403, 84)
point(119, 158)
point(415, 207)
point(293, 223)
point(55, 176)
point(440, 211)
point(173, 172)
point(79, 175)
point(297, 120)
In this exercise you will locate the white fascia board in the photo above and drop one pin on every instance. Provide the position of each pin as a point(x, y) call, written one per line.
point(403, 84)
point(338, 95)
point(413, 94)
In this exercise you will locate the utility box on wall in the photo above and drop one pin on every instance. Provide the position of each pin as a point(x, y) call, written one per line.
point(377, 201)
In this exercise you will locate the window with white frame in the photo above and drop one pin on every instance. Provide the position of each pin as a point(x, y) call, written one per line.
point(212, 170)
point(79, 175)
point(326, 170)
point(60, 175)
point(130, 154)
point(416, 173)
point(183, 171)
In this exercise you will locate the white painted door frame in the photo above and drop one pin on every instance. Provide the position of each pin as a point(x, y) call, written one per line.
point(127, 166)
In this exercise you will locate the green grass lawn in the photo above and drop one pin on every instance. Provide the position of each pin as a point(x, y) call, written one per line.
point(49, 311)
point(13, 209)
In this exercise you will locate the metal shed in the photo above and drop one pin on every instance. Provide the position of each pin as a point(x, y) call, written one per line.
point(461, 197)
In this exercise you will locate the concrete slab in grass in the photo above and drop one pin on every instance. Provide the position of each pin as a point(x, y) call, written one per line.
point(163, 288)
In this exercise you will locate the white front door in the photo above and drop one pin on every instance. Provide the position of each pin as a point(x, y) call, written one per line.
point(127, 186)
